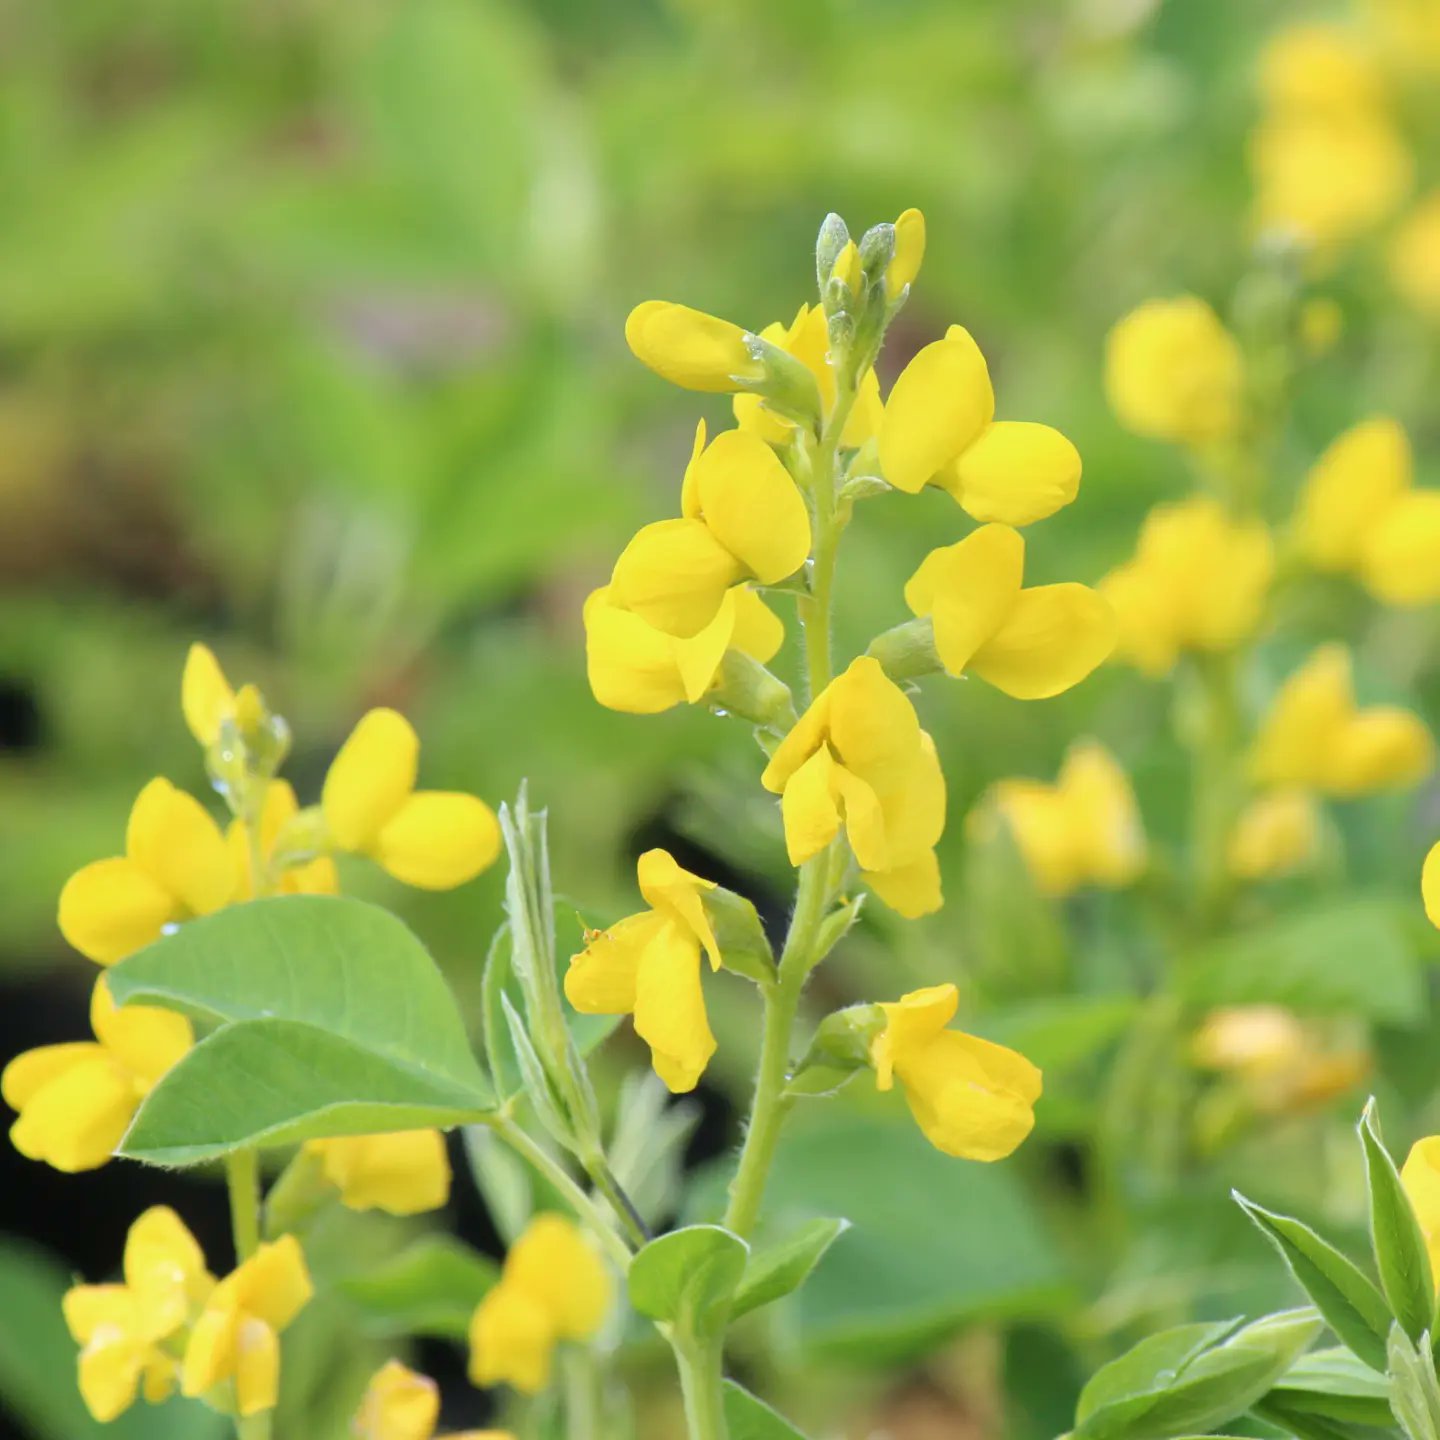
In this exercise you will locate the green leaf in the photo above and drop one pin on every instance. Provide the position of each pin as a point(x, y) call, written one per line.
point(1335, 1385)
point(1305, 1425)
point(749, 1418)
point(431, 1288)
point(780, 1269)
point(1351, 1304)
point(1400, 1254)
point(277, 1082)
point(1414, 1392)
point(688, 1276)
point(1305, 961)
point(1137, 1370)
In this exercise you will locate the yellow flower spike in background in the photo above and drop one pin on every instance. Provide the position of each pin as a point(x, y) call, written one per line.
point(236, 1337)
point(401, 1405)
point(121, 1328)
point(743, 520)
point(1174, 372)
point(909, 254)
point(553, 1287)
point(1430, 885)
point(1198, 581)
point(1315, 736)
point(176, 866)
point(1414, 257)
point(403, 1173)
point(1319, 68)
point(76, 1100)
point(648, 966)
point(1031, 644)
point(1420, 1175)
point(858, 760)
point(316, 876)
point(972, 1098)
point(432, 839)
point(1276, 834)
point(637, 669)
point(1083, 830)
point(1348, 491)
point(690, 348)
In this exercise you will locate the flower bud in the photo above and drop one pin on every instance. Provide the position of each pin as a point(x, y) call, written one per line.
point(907, 651)
point(833, 238)
point(839, 1051)
point(739, 934)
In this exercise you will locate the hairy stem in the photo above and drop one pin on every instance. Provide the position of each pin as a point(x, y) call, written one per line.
point(701, 1367)
point(242, 1179)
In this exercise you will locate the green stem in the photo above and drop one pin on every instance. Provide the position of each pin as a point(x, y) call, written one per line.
point(560, 1178)
point(701, 1367)
point(242, 1178)
point(605, 1181)
point(1218, 790)
point(583, 1404)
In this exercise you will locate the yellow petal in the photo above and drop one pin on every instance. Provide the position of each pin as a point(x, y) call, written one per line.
point(670, 1008)
point(865, 819)
point(1420, 1175)
point(674, 574)
point(556, 1265)
point(677, 893)
point(601, 979)
point(398, 1405)
point(1054, 636)
point(109, 1374)
point(689, 485)
point(257, 1366)
point(1400, 554)
point(1430, 885)
point(805, 737)
point(205, 695)
point(873, 727)
point(910, 890)
point(1382, 748)
point(690, 348)
point(1297, 737)
point(969, 589)
point(847, 267)
point(174, 841)
point(697, 659)
point(1015, 473)
point(938, 407)
point(165, 1271)
point(30, 1071)
point(909, 252)
point(810, 807)
point(751, 506)
point(1102, 815)
point(438, 839)
point(370, 779)
point(631, 666)
point(913, 810)
point(867, 415)
point(274, 1283)
point(75, 1120)
point(759, 632)
point(144, 1039)
point(210, 1353)
point(1039, 822)
point(1349, 490)
point(89, 1309)
point(1275, 834)
point(405, 1173)
point(512, 1340)
point(910, 1023)
point(112, 908)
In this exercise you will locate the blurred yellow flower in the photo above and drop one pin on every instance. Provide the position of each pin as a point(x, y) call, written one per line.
point(313, 876)
point(1083, 830)
point(1420, 1175)
point(237, 1336)
point(648, 966)
point(1031, 644)
point(638, 669)
point(742, 518)
point(858, 759)
point(1415, 255)
point(939, 429)
point(432, 839)
point(405, 1172)
point(76, 1100)
point(1322, 69)
point(553, 1287)
point(401, 1405)
point(1315, 737)
point(690, 348)
point(972, 1098)
point(1197, 581)
point(1409, 32)
point(176, 866)
point(1174, 372)
point(1276, 833)
point(1281, 1061)
point(122, 1328)
point(1430, 885)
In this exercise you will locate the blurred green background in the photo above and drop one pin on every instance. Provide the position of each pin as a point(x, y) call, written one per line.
point(311, 347)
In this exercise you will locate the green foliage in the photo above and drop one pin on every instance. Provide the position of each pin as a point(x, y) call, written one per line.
point(776, 1270)
point(430, 1288)
point(750, 1419)
point(1400, 1254)
point(689, 1277)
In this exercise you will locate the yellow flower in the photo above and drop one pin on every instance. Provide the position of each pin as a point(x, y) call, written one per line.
point(1315, 737)
point(175, 866)
point(207, 700)
point(121, 1328)
point(1253, 1041)
point(432, 839)
point(635, 668)
point(1321, 69)
point(1174, 372)
point(553, 1287)
point(939, 428)
point(692, 349)
point(1083, 830)
point(1409, 31)
point(400, 1405)
point(972, 1098)
point(1430, 885)
point(807, 338)
point(237, 1335)
point(316, 876)
point(648, 966)
point(1276, 833)
point(76, 1100)
point(1420, 1175)
point(909, 253)
point(405, 1173)
point(1197, 581)
point(1031, 644)
point(1415, 257)
point(858, 759)
point(742, 519)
